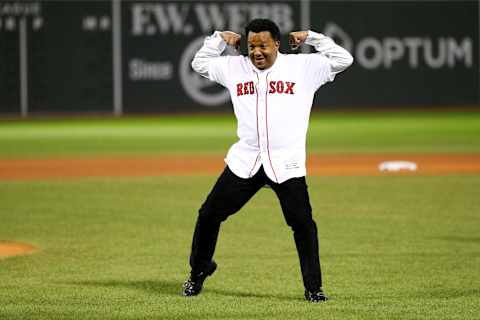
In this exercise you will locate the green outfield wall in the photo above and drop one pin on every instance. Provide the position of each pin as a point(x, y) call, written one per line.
point(134, 56)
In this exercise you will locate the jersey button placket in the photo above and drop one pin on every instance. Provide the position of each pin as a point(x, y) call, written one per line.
point(261, 117)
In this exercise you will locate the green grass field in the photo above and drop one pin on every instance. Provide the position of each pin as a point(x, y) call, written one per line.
point(329, 133)
point(398, 247)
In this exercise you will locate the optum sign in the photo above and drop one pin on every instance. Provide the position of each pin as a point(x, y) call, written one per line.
point(372, 53)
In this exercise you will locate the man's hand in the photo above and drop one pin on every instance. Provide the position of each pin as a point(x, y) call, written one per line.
point(295, 39)
point(231, 38)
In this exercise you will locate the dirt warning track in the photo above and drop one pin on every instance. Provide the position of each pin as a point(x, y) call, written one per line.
point(344, 164)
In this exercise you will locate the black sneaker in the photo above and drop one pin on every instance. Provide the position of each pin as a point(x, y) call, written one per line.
point(317, 296)
point(194, 284)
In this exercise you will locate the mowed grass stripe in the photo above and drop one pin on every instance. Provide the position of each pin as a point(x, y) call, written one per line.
point(329, 133)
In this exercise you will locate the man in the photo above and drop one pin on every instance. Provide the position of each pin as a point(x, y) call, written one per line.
point(272, 95)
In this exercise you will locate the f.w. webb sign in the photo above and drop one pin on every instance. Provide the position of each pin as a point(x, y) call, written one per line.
point(398, 60)
point(163, 38)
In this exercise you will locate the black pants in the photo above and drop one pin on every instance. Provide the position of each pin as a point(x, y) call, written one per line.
point(230, 193)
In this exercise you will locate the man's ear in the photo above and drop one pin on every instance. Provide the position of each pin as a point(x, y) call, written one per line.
point(277, 44)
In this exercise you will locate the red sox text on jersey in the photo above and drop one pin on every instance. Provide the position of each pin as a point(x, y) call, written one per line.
point(285, 87)
point(272, 106)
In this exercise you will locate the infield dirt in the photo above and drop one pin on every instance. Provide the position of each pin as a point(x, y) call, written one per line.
point(327, 164)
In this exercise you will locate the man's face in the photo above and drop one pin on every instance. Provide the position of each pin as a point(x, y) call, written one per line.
point(262, 49)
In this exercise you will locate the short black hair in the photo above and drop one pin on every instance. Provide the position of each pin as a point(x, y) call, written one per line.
point(259, 25)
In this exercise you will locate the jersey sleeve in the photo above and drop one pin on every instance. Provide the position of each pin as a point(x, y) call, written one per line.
point(319, 70)
point(217, 70)
point(329, 60)
point(213, 58)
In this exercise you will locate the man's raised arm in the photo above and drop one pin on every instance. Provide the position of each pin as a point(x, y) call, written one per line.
point(212, 48)
point(340, 59)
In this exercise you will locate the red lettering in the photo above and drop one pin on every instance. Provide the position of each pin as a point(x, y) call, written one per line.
point(239, 89)
point(280, 86)
point(290, 87)
point(245, 88)
point(272, 87)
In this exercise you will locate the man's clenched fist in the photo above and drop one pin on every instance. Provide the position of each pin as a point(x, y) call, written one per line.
point(231, 38)
point(296, 38)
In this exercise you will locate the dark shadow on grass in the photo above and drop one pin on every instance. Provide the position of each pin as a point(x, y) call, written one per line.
point(460, 239)
point(171, 288)
point(291, 297)
point(420, 294)
point(383, 255)
point(157, 287)
point(449, 293)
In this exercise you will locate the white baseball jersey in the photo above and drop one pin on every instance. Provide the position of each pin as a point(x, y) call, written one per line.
point(272, 106)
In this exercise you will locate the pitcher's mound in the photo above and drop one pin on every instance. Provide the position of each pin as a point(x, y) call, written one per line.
point(8, 249)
